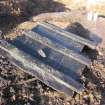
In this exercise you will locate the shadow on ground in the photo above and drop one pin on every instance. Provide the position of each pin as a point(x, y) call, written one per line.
point(79, 30)
point(31, 8)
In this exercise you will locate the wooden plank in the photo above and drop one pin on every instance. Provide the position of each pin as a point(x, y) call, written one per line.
point(57, 38)
point(51, 82)
point(37, 68)
point(53, 58)
point(72, 36)
point(59, 48)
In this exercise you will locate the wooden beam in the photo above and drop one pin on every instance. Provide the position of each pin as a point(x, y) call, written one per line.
point(53, 58)
point(69, 35)
point(59, 48)
point(56, 37)
point(45, 73)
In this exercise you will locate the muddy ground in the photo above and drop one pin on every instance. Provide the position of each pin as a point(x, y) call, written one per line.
point(19, 88)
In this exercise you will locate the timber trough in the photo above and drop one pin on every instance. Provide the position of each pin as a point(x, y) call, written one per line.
point(51, 54)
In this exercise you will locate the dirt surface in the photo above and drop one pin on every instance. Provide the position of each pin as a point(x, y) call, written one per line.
point(19, 88)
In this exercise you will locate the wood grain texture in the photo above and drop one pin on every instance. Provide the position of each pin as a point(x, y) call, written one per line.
point(44, 72)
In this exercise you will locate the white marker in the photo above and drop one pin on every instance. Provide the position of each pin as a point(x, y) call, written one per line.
point(41, 53)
